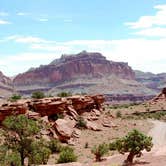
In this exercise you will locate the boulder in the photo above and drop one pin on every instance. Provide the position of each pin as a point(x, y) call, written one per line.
point(33, 115)
point(92, 126)
point(76, 133)
point(63, 130)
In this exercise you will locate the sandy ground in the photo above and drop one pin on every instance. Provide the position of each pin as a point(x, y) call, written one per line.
point(157, 157)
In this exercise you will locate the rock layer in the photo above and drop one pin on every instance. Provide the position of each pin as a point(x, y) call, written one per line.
point(67, 68)
point(6, 86)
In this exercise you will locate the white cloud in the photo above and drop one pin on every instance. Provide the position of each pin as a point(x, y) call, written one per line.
point(3, 22)
point(14, 64)
point(25, 39)
point(3, 14)
point(153, 32)
point(158, 19)
point(22, 14)
point(68, 20)
point(142, 54)
point(43, 19)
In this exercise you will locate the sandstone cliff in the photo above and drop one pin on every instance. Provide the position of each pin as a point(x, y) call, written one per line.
point(70, 68)
point(6, 87)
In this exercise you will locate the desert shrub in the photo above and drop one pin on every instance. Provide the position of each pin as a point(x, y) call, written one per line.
point(118, 114)
point(38, 95)
point(40, 153)
point(15, 97)
point(67, 155)
point(55, 146)
point(86, 145)
point(64, 94)
point(81, 123)
point(100, 151)
point(112, 146)
point(134, 142)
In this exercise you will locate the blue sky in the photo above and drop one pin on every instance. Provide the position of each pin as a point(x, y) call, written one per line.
point(35, 32)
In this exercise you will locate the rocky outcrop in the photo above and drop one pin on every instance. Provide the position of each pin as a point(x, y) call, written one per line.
point(48, 106)
point(73, 106)
point(161, 97)
point(67, 68)
point(12, 109)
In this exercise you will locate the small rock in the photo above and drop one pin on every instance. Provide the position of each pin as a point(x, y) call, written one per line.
point(92, 126)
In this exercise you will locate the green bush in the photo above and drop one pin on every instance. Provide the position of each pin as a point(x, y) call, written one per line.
point(55, 146)
point(86, 145)
point(38, 95)
point(134, 142)
point(64, 94)
point(81, 123)
point(15, 97)
point(67, 155)
point(118, 114)
point(100, 151)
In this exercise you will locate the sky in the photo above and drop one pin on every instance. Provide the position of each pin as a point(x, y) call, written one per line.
point(35, 32)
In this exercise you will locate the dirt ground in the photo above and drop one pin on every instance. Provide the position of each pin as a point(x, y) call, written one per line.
point(120, 127)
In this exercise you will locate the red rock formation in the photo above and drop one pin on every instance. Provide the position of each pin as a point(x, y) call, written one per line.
point(73, 66)
point(160, 97)
point(72, 105)
point(12, 109)
point(48, 106)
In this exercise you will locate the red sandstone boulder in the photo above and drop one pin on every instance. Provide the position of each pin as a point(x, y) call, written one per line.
point(63, 129)
point(92, 126)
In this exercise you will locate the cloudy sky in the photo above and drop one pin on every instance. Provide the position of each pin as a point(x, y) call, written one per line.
point(34, 32)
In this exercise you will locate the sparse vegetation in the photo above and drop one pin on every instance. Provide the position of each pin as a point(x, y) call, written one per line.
point(100, 150)
point(86, 145)
point(55, 146)
point(15, 97)
point(134, 142)
point(81, 123)
point(38, 95)
point(64, 94)
point(120, 106)
point(158, 115)
point(67, 155)
point(39, 153)
point(118, 114)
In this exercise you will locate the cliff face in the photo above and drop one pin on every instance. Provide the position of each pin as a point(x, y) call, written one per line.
point(152, 81)
point(6, 87)
point(92, 65)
